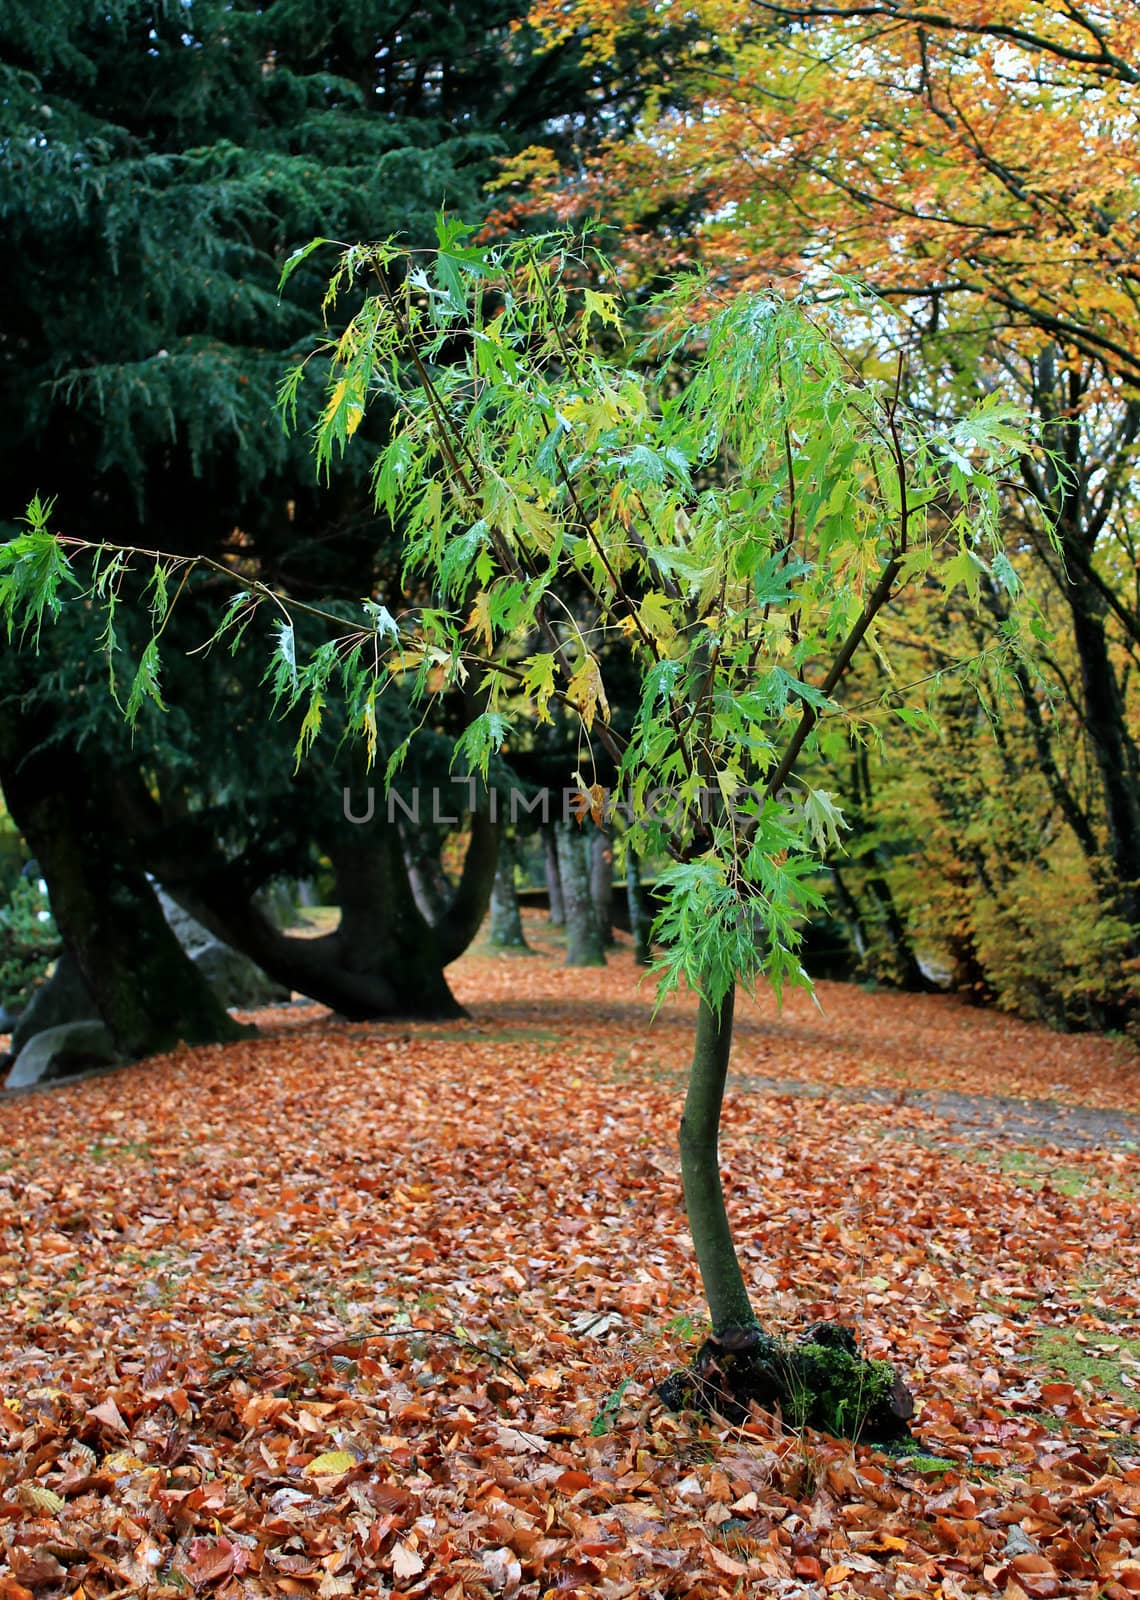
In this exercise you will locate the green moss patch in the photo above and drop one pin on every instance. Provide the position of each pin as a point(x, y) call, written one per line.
point(817, 1381)
point(1102, 1363)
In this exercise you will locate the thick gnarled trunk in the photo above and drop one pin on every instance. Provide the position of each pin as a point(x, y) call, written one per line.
point(385, 959)
point(145, 987)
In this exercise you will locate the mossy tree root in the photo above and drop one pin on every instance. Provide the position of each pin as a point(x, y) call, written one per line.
point(819, 1380)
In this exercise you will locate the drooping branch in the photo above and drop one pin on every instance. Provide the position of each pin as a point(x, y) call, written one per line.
point(809, 716)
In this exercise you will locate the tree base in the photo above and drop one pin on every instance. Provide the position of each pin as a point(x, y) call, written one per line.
point(818, 1381)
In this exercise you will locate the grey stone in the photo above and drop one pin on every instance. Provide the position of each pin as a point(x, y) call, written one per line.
point(58, 1052)
point(64, 998)
point(235, 979)
point(189, 932)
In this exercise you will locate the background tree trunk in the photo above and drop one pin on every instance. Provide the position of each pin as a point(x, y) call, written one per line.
point(553, 878)
point(430, 884)
point(584, 947)
point(640, 921)
point(506, 923)
point(602, 882)
point(1106, 726)
point(852, 916)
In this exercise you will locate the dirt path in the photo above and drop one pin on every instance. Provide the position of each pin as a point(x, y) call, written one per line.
point(987, 1118)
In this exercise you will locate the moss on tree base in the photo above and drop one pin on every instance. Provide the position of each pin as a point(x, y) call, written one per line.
point(817, 1381)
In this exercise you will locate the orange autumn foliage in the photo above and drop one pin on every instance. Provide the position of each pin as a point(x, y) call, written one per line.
point(969, 149)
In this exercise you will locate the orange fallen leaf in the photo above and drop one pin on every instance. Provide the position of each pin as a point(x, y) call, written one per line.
point(109, 1415)
point(725, 1563)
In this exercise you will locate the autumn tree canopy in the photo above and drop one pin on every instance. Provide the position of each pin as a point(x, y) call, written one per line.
point(973, 165)
point(963, 151)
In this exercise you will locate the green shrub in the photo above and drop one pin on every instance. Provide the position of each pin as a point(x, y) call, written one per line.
point(29, 943)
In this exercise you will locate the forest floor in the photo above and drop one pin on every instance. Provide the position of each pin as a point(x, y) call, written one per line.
point(350, 1309)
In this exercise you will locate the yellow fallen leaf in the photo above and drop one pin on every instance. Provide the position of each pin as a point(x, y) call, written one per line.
point(331, 1464)
point(37, 1498)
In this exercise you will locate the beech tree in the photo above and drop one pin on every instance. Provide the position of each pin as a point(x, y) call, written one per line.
point(926, 151)
point(736, 537)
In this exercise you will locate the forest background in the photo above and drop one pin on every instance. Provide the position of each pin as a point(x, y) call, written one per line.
point(972, 167)
point(289, 1323)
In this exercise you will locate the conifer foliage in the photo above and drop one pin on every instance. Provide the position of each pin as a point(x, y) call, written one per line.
point(159, 163)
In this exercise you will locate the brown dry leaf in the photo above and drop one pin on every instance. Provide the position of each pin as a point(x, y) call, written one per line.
point(207, 1560)
point(109, 1414)
point(406, 1562)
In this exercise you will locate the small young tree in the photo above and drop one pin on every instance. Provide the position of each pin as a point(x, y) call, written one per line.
point(737, 535)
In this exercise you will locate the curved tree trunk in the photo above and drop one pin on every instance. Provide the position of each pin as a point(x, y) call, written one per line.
point(910, 975)
point(729, 1306)
point(506, 922)
point(385, 959)
point(584, 947)
point(146, 989)
point(819, 1379)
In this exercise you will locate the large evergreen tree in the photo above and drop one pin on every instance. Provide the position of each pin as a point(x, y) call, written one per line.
point(158, 164)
